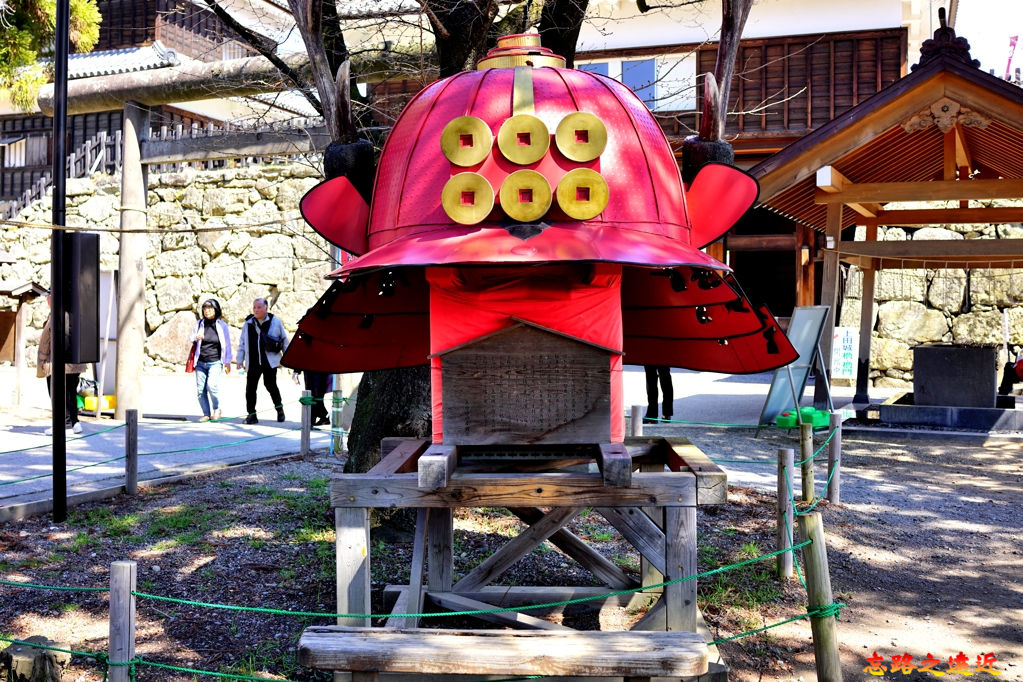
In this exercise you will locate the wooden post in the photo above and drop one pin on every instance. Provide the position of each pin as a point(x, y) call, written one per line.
point(680, 561)
point(351, 527)
point(866, 325)
point(440, 550)
point(131, 451)
point(636, 422)
point(806, 457)
point(786, 457)
point(835, 459)
point(818, 589)
point(19, 350)
point(131, 299)
point(307, 423)
point(122, 618)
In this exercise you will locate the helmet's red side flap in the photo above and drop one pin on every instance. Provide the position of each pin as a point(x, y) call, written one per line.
point(338, 213)
point(718, 196)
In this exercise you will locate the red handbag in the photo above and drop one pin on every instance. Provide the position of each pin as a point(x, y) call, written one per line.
point(190, 363)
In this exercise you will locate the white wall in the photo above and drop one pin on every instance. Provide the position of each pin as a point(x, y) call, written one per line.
point(618, 24)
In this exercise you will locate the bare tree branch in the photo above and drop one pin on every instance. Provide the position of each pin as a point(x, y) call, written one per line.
point(267, 48)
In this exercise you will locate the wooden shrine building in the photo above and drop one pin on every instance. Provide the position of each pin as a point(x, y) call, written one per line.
point(946, 132)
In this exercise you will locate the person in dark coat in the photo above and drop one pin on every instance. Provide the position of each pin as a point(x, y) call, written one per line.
point(661, 374)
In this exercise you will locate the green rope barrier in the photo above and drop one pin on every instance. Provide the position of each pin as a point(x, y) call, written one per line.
point(36, 586)
point(788, 531)
point(221, 445)
point(88, 654)
point(818, 451)
point(138, 660)
point(695, 423)
point(68, 470)
point(69, 440)
point(831, 609)
point(472, 612)
point(803, 512)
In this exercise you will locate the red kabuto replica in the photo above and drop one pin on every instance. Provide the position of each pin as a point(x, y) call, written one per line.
point(532, 198)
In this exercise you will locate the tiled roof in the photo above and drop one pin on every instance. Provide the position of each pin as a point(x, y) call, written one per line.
point(126, 60)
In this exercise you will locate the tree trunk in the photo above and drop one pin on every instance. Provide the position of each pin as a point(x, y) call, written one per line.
point(460, 29)
point(392, 402)
point(560, 22)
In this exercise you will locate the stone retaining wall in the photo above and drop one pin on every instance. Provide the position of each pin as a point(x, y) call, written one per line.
point(281, 258)
point(935, 306)
point(285, 261)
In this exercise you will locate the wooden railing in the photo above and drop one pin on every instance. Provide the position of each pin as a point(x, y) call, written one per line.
point(102, 153)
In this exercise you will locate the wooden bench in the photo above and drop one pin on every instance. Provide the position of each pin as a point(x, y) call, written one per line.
point(633, 655)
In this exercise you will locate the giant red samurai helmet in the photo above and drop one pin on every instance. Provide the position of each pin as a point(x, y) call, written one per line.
point(525, 191)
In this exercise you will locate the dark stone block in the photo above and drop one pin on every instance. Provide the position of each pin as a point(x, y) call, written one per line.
point(958, 376)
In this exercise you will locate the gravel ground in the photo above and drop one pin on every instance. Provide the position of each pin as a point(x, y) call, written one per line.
point(924, 550)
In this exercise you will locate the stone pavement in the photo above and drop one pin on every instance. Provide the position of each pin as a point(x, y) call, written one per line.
point(172, 442)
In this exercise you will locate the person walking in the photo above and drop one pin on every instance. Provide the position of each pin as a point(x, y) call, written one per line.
point(73, 371)
point(212, 357)
point(655, 374)
point(262, 343)
point(318, 384)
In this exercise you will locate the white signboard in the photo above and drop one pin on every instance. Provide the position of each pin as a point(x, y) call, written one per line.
point(845, 348)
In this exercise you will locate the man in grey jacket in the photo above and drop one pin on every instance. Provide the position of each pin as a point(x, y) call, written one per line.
point(260, 348)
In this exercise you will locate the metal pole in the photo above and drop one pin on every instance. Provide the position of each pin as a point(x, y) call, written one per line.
point(58, 355)
point(307, 422)
point(131, 452)
point(835, 459)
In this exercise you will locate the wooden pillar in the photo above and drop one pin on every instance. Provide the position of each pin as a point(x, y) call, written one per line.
point(680, 561)
point(19, 350)
point(829, 293)
point(131, 295)
point(866, 326)
point(351, 528)
point(440, 549)
point(805, 270)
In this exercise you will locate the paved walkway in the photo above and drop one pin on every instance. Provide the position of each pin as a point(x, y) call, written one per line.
point(172, 442)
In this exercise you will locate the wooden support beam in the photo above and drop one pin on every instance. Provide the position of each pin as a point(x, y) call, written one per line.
point(589, 558)
point(951, 190)
point(615, 464)
point(760, 242)
point(483, 652)
point(440, 544)
point(351, 529)
point(830, 181)
point(940, 216)
point(511, 619)
point(668, 489)
point(411, 600)
point(711, 480)
point(680, 562)
point(398, 456)
point(641, 532)
point(436, 466)
point(964, 158)
point(960, 253)
point(523, 543)
point(235, 145)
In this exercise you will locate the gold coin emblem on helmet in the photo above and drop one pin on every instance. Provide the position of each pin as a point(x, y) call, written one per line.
point(466, 141)
point(581, 136)
point(467, 198)
point(523, 139)
point(582, 193)
point(525, 196)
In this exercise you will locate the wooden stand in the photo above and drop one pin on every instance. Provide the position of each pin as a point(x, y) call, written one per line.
point(654, 508)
